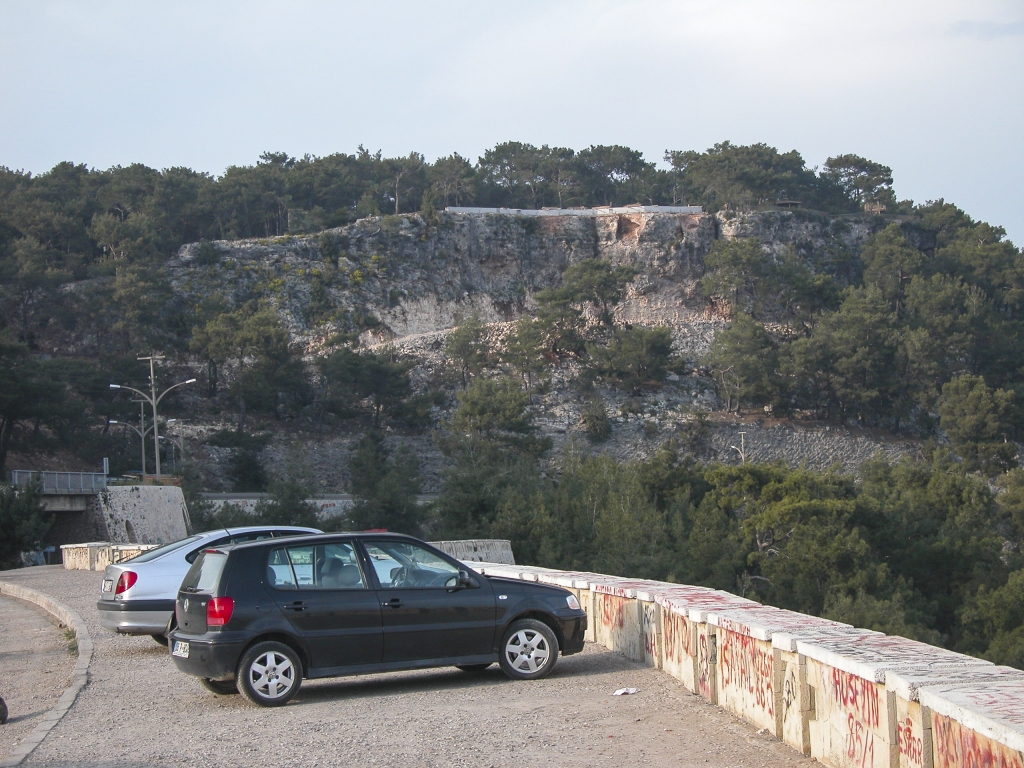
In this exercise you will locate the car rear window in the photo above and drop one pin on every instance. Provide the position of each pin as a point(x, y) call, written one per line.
point(205, 571)
point(153, 554)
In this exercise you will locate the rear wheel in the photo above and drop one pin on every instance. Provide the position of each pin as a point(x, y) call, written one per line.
point(269, 674)
point(472, 667)
point(529, 650)
point(220, 687)
point(172, 624)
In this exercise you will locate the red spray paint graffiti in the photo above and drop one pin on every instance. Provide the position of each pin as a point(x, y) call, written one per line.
point(959, 747)
point(857, 695)
point(677, 637)
point(859, 742)
point(748, 667)
point(611, 612)
point(909, 745)
point(859, 699)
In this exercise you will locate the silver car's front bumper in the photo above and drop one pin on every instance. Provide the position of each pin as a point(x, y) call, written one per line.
point(127, 619)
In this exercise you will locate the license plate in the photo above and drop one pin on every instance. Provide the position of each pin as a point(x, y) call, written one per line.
point(108, 585)
point(180, 649)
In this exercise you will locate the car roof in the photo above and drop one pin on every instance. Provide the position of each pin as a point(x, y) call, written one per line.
point(232, 530)
point(323, 537)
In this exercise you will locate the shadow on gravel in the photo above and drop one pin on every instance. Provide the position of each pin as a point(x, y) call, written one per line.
point(119, 763)
point(26, 716)
point(451, 679)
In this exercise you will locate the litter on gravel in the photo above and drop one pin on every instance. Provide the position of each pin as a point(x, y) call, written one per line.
point(626, 691)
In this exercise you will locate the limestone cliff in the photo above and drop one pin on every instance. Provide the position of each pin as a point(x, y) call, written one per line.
point(403, 280)
point(396, 276)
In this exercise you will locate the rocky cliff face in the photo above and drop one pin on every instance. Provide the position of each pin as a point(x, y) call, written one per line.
point(397, 276)
point(402, 280)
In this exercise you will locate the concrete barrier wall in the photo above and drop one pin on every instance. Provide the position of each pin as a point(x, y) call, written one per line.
point(97, 555)
point(478, 550)
point(843, 695)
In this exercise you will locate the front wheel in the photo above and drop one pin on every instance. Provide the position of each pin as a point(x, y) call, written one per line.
point(529, 650)
point(162, 639)
point(220, 687)
point(269, 674)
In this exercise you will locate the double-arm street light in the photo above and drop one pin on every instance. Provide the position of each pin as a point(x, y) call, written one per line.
point(142, 435)
point(154, 400)
point(142, 432)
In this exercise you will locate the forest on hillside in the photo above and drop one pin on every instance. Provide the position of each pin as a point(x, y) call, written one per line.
point(920, 332)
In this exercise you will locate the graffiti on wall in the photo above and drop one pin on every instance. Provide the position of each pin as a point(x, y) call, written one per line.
point(746, 666)
point(910, 745)
point(611, 613)
point(859, 699)
point(649, 617)
point(677, 637)
point(789, 692)
point(960, 747)
point(705, 658)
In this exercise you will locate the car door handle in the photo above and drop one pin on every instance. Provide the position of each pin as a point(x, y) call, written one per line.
point(298, 605)
point(393, 603)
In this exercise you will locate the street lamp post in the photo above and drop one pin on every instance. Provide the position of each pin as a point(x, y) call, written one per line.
point(142, 434)
point(154, 401)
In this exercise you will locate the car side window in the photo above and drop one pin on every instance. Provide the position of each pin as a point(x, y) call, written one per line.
point(324, 566)
point(279, 570)
point(403, 565)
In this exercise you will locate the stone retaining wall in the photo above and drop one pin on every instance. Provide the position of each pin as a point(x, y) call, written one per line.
point(845, 696)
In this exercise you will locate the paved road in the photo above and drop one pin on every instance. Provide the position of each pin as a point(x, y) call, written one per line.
point(138, 711)
point(35, 667)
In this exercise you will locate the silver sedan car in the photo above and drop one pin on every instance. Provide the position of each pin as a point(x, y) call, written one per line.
point(137, 596)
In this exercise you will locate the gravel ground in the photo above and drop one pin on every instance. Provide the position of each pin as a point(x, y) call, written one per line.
point(138, 710)
point(36, 663)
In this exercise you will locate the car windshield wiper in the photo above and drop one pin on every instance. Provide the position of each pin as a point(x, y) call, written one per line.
point(193, 590)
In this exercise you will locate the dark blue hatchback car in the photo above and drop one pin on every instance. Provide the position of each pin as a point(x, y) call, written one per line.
point(257, 618)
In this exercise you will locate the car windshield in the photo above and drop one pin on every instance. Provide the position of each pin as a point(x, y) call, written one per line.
point(153, 554)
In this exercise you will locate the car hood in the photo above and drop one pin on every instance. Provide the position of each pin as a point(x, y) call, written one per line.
point(532, 586)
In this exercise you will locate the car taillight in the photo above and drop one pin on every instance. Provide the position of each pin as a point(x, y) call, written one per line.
point(125, 581)
point(219, 610)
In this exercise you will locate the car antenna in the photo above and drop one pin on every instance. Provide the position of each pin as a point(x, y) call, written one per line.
point(217, 515)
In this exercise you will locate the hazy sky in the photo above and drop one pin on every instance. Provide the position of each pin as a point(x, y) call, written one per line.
point(933, 89)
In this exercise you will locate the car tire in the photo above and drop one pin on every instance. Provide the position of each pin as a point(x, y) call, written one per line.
point(269, 674)
point(472, 667)
point(220, 687)
point(528, 650)
point(164, 639)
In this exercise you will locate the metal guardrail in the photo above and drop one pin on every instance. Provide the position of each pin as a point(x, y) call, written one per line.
point(61, 482)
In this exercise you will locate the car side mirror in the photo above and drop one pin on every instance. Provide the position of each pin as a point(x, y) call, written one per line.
point(466, 581)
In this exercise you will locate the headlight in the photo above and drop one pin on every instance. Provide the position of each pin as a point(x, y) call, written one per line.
point(573, 602)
